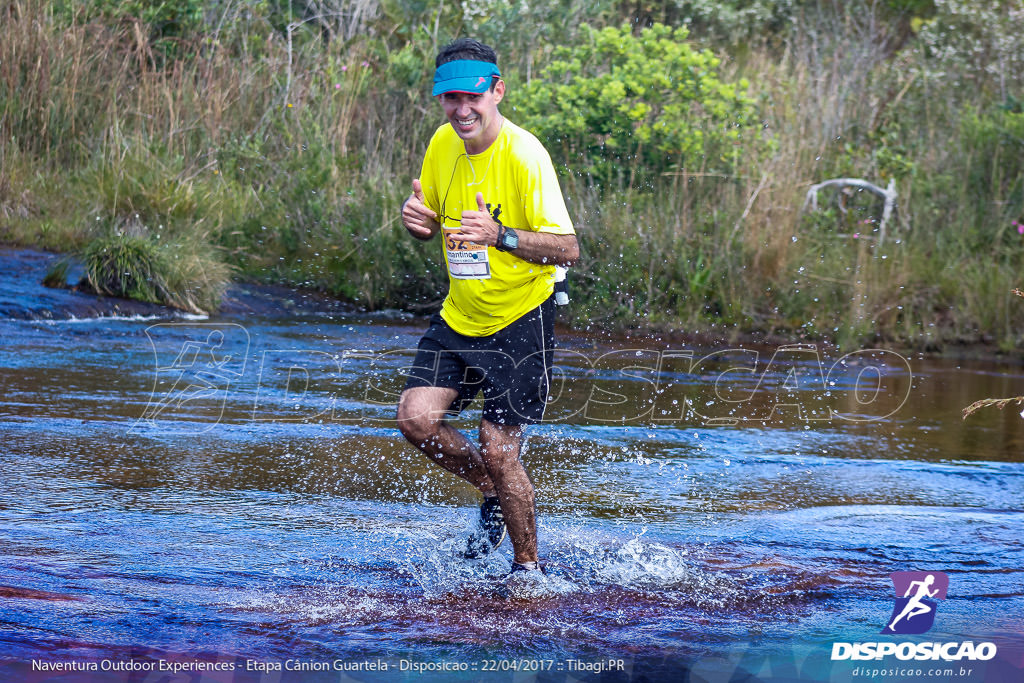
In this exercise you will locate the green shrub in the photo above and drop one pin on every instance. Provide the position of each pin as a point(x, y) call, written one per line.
point(181, 274)
point(125, 266)
point(623, 109)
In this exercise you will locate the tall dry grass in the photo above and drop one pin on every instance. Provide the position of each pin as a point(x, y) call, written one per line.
point(280, 151)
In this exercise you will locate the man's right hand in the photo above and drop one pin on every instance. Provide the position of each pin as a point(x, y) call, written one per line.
point(418, 218)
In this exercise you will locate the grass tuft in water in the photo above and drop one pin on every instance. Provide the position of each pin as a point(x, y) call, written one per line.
point(57, 275)
point(177, 274)
point(124, 266)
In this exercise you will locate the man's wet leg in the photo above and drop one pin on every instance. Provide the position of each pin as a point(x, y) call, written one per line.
point(500, 446)
point(421, 420)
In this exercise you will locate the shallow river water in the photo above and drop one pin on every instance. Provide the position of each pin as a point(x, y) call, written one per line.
point(231, 492)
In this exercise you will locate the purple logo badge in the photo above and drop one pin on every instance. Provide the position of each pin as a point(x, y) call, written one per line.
point(917, 597)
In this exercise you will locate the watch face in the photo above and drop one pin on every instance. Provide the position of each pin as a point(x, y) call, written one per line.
point(509, 239)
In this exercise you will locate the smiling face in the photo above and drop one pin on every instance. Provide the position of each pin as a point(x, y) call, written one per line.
point(474, 117)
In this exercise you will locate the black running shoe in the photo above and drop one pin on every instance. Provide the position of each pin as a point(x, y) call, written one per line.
point(490, 533)
point(528, 581)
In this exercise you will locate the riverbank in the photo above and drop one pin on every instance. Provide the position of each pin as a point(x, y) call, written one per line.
point(24, 297)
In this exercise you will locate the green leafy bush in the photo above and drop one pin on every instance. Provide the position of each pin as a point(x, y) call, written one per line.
point(624, 108)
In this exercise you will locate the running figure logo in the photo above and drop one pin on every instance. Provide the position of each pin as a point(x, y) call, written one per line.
point(917, 596)
point(196, 366)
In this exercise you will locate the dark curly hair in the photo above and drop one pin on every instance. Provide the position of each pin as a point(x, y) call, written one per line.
point(466, 48)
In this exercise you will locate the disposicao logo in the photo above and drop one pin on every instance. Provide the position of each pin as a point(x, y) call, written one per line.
point(917, 600)
point(917, 596)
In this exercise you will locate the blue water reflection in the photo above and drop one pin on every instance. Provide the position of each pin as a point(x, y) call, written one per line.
point(271, 514)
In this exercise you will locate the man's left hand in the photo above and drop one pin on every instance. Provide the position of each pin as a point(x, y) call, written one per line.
point(479, 227)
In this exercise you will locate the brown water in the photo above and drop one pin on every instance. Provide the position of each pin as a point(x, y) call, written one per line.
point(234, 490)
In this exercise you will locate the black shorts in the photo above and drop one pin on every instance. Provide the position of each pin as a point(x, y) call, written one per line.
point(512, 366)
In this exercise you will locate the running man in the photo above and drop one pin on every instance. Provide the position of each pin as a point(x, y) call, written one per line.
point(915, 607)
point(489, 188)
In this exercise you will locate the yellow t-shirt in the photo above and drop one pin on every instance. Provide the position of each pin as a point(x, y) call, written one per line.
point(488, 288)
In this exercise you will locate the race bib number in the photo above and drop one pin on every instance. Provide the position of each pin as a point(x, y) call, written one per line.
point(466, 260)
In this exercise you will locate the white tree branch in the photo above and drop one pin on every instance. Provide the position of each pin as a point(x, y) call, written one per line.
point(888, 196)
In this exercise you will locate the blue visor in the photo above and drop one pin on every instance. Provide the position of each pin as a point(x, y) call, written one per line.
point(464, 75)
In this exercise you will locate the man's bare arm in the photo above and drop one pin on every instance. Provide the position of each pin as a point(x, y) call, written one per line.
point(544, 248)
point(547, 248)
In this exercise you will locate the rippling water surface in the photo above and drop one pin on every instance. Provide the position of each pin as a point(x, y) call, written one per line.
point(233, 489)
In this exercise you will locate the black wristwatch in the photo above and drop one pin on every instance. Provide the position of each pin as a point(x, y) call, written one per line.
point(508, 239)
